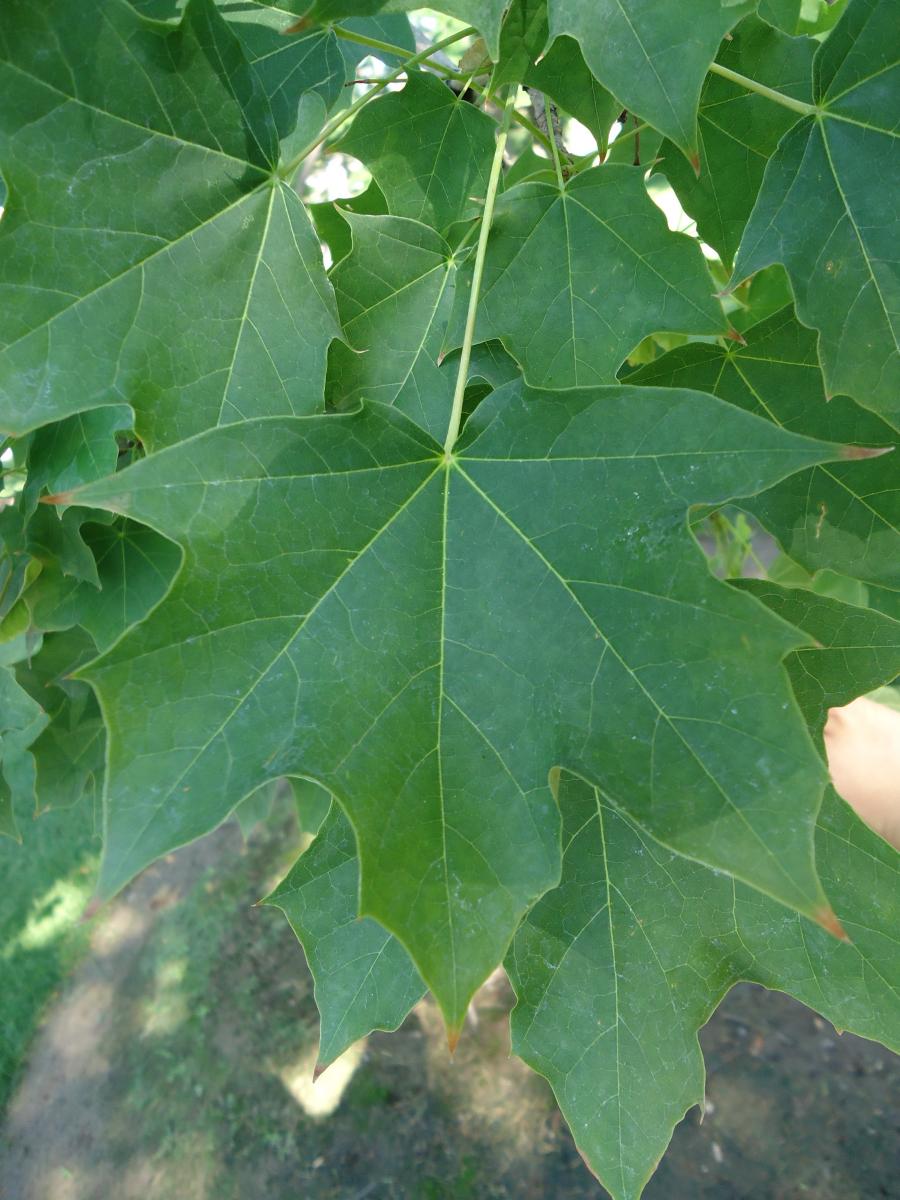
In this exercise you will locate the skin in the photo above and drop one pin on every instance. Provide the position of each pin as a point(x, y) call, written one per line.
point(862, 742)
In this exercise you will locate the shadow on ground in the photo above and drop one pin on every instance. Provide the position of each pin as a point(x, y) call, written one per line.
point(175, 1066)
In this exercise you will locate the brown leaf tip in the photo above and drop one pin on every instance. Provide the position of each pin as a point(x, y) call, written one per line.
point(854, 452)
point(58, 498)
point(827, 918)
point(735, 335)
point(319, 1070)
point(453, 1034)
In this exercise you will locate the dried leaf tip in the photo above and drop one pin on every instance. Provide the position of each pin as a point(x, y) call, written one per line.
point(694, 160)
point(57, 498)
point(319, 1070)
point(91, 911)
point(453, 1034)
point(297, 27)
point(735, 335)
point(854, 452)
point(827, 918)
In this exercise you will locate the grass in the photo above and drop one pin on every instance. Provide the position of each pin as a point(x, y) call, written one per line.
point(44, 886)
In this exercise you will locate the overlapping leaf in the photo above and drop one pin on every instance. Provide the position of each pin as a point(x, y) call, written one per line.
point(364, 979)
point(407, 579)
point(485, 15)
point(617, 969)
point(839, 516)
point(652, 57)
point(197, 296)
point(395, 295)
point(855, 649)
point(21, 721)
point(429, 151)
point(574, 279)
point(561, 73)
point(738, 131)
point(828, 211)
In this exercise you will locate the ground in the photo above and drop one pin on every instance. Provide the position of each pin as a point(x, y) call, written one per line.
point(174, 1065)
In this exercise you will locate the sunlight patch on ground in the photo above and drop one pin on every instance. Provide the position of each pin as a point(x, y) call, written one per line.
point(320, 1097)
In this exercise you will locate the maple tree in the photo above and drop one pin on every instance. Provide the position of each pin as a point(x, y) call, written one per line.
point(417, 530)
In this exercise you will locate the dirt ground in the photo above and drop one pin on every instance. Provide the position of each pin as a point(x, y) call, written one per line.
point(175, 1066)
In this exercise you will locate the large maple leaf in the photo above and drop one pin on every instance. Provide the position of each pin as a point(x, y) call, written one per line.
point(429, 635)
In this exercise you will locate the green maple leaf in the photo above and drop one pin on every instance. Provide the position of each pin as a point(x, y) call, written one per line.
point(428, 149)
point(839, 516)
point(561, 73)
point(198, 298)
point(855, 650)
point(69, 752)
point(134, 568)
point(395, 294)
point(485, 15)
point(652, 57)
point(21, 721)
point(364, 979)
point(618, 968)
point(574, 279)
point(827, 209)
point(355, 646)
point(739, 131)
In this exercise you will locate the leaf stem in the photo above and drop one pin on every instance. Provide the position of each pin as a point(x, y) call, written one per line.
point(477, 273)
point(377, 86)
point(395, 51)
point(808, 110)
point(551, 133)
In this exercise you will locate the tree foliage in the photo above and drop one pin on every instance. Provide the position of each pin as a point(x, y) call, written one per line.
point(417, 529)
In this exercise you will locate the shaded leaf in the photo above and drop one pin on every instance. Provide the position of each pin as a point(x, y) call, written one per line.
point(21, 720)
point(739, 131)
point(395, 294)
point(827, 209)
point(843, 516)
point(485, 15)
point(855, 650)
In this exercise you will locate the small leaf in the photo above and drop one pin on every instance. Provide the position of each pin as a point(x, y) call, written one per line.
point(395, 294)
point(429, 151)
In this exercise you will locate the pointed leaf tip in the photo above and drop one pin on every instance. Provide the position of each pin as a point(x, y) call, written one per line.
point(854, 452)
point(694, 160)
point(453, 1035)
point(91, 911)
point(319, 1070)
point(827, 918)
point(735, 335)
point(57, 498)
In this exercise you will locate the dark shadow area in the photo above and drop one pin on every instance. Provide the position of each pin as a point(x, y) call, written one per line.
point(176, 1064)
